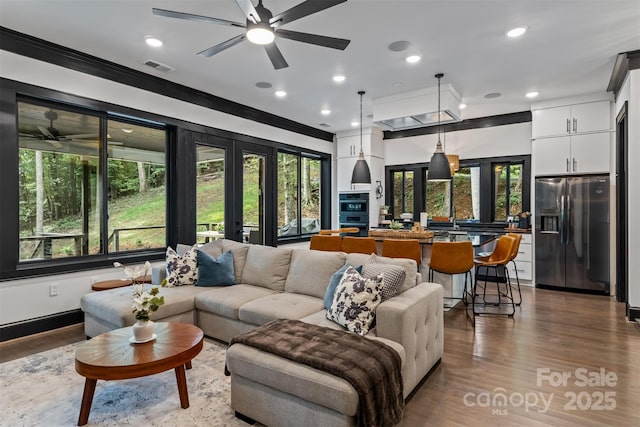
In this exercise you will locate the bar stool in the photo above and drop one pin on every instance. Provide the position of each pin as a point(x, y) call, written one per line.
point(452, 258)
point(402, 248)
point(514, 254)
point(498, 260)
point(326, 243)
point(359, 245)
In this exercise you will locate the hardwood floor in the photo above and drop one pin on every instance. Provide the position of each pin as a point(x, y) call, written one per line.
point(505, 357)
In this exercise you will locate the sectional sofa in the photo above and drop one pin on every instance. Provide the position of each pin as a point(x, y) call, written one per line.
point(282, 283)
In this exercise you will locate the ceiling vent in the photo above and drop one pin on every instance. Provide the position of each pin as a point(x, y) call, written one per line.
point(418, 108)
point(159, 66)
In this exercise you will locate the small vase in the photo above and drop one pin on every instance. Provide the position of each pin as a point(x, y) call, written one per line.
point(143, 330)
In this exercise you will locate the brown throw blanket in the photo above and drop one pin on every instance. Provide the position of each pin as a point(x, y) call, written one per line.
point(371, 367)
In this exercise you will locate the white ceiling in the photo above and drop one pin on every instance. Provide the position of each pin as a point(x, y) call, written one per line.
point(569, 49)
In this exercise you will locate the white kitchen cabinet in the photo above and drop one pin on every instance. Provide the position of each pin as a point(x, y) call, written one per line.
point(572, 119)
point(523, 260)
point(576, 154)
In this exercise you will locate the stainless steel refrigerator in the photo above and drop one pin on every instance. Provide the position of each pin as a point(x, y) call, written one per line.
point(572, 232)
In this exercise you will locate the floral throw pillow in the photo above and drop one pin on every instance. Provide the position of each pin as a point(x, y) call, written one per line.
point(355, 301)
point(182, 269)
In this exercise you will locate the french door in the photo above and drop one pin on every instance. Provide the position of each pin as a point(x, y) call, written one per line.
point(254, 194)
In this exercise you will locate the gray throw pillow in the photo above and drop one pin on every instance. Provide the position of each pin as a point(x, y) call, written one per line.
point(393, 278)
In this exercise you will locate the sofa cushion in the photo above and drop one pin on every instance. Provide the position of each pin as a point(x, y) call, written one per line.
point(114, 306)
point(310, 271)
point(182, 269)
point(213, 248)
point(239, 251)
point(333, 284)
point(267, 267)
point(393, 277)
point(409, 265)
point(214, 271)
point(279, 306)
point(355, 301)
point(226, 301)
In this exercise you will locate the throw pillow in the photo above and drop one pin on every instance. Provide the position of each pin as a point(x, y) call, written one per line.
point(355, 301)
point(215, 271)
point(333, 284)
point(394, 276)
point(181, 269)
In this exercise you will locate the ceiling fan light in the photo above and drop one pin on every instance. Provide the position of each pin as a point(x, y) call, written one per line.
point(260, 33)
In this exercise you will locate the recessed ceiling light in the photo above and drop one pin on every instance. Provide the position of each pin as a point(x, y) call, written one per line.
point(412, 59)
point(325, 112)
point(493, 95)
point(462, 106)
point(264, 85)
point(531, 94)
point(152, 41)
point(127, 130)
point(399, 46)
point(516, 32)
point(281, 93)
point(354, 123)
point(339, 78)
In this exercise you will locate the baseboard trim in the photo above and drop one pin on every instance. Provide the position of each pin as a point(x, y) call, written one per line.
point(40, 324)
point(633, 313)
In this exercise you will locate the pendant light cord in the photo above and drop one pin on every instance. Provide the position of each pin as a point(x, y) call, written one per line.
point(439, 76)
point(361, 93)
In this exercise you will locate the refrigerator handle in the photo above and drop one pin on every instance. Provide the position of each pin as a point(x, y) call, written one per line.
point(561, 225)
point(568, 220)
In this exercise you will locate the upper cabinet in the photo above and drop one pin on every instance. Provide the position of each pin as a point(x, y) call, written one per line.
point(572, 119)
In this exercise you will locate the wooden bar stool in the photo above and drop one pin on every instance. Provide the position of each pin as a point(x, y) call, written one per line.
point(402, 248)
point(326, 243)
point(452, 258)
point(498, 261)
point(359, 245)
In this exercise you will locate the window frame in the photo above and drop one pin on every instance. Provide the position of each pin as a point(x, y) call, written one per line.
point(180, 155)
point(507, 189)
point(486, 185)
point(324, 209)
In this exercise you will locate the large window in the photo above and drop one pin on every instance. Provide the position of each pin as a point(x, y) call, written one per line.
point(482, 190)
point(62, 191)
point(466, 193)
point(299, 190)
point(507, 183)
point(402, 193)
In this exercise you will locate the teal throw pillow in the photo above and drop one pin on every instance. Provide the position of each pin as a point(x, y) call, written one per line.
point(333, 283)
point(215, 271)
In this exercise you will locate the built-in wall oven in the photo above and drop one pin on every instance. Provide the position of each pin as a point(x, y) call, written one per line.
point(354, 211)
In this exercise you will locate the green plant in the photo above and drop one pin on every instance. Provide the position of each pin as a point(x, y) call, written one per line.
point(395, 225)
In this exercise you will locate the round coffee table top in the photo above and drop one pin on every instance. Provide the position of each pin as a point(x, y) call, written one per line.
point(110, 356)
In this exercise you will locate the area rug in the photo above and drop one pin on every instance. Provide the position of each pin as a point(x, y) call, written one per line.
point(44, 389)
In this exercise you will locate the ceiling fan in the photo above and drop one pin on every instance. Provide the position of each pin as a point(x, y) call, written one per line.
point(262, 27)
point(52, 135)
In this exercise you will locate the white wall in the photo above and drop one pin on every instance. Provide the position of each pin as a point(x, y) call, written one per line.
point(507, 140)
point(631, 92)
point(29, 298)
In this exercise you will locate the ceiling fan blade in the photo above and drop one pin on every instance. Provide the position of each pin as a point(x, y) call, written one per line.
point(332, 42)
point(301, 10)
point(248, 10)
point(275, 56)
point(222, 46)
point(192, 17)
point(54, 142)
point(80, 136)
point(46, 132)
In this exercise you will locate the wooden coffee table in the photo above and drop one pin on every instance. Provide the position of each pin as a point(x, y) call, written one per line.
point(110, 356)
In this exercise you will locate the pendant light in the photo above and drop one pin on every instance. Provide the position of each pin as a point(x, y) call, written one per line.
point(361, 173)
point(439, 168)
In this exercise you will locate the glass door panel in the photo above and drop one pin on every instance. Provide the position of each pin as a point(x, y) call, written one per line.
point(210, 193)
point(253, 201)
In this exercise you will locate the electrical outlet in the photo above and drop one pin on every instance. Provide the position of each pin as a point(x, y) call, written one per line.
point(53, 289)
